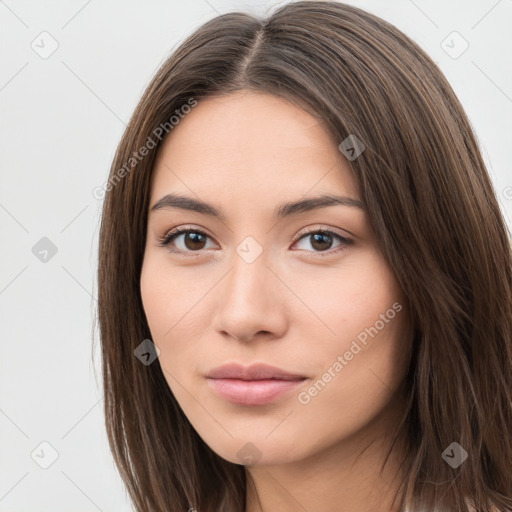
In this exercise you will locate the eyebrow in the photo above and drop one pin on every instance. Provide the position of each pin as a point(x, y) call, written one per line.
point(189, 203)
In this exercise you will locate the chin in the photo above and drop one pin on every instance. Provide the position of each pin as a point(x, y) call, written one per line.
point(256, 451)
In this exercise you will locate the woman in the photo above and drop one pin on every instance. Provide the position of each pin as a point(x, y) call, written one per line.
point(305, 279)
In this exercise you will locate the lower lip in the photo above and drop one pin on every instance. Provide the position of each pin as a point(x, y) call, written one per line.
point(253, 392)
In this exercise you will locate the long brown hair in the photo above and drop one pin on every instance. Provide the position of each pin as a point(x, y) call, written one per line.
point(436, 217)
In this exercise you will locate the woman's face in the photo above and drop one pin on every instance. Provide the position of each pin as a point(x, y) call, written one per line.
point(253, 281)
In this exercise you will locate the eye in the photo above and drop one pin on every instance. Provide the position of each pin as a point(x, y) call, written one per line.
point(321, 240)
point(192, 241)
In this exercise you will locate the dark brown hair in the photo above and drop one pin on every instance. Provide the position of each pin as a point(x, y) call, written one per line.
point(436, 217)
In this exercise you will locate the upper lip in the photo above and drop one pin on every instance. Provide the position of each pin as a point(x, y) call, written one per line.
point(252, 372)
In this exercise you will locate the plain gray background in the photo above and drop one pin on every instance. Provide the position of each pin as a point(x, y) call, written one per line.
point(63, 114)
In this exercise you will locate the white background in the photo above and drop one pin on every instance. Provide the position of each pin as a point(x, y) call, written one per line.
point(62, 118)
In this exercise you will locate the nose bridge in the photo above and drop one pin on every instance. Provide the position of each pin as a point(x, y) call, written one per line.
point(249, 272)
point(248, 302)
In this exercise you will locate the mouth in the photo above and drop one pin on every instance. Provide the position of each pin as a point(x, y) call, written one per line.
point(252, 385)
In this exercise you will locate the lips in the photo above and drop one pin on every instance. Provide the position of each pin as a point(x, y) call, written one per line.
point(257, 384)
point(253, 372)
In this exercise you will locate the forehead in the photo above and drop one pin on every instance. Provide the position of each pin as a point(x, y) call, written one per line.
point(251, 143)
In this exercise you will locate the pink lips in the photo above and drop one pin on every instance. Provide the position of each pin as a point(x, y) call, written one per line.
point(252, 385)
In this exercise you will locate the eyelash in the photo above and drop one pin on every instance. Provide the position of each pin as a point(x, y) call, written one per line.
point(166, 239)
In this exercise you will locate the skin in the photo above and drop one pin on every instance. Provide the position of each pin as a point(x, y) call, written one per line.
point(246, 154)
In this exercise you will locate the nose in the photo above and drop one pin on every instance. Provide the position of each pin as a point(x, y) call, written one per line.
point(251, 302)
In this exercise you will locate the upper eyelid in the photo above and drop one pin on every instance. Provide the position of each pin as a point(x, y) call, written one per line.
point(309, 230)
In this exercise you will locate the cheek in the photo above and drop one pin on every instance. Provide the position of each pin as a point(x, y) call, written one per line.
point(364, 356)
point(347, 299)
point(156, 299)
point(355, 383)
point(172, 303)
point(169, 297)
point(164, 310)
